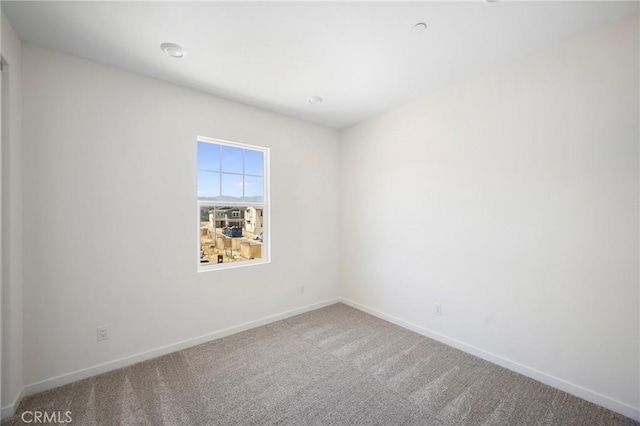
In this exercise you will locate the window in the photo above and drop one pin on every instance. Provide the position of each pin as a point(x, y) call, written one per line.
point(233, 204)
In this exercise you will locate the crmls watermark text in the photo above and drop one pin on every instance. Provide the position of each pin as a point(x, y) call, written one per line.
point(46, 417)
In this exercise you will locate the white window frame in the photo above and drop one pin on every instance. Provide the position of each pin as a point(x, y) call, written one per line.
point(266, 207)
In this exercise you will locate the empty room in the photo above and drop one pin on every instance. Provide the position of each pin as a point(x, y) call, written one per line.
point(320, 213)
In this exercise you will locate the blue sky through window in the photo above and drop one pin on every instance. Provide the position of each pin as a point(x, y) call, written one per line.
point(208, 156)
point(253, 186)
point(253, 162)
point(231, 159)
point(208, 184)
point(232, 183)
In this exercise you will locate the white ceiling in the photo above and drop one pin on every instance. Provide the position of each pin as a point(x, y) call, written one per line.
point(361, 57)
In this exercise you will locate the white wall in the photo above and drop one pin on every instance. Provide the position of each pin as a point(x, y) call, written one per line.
point(513, 200)
point(109, 211)
point(11, 217)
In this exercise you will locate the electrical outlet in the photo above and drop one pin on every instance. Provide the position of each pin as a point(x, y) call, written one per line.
point(302, 289)
point(103, 332)
point(438, 309)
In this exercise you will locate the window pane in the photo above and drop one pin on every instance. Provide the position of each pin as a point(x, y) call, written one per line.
point(231, 159)
point(232, 185)
point(208, 156)
point(254, 189)
point(253, 162)
point(230, 234)
point(208, 184)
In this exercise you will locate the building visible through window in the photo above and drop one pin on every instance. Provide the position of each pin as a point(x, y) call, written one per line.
point(232, 199)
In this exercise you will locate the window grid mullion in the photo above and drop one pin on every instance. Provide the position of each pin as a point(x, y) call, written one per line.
point(220, 148)
point(243, 182)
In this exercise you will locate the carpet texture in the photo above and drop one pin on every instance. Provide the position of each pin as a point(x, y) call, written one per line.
point(332, 366)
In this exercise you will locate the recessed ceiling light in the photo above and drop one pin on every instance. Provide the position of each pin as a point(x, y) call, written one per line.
point(173, 50)
point(419, 27)
point(314, 100)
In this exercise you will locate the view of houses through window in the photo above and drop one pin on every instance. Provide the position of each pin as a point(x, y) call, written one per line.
point(231, 202)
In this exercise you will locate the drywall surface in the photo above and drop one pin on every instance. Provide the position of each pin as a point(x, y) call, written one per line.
point(110, 203)
point(11, 217)
point(513, 201)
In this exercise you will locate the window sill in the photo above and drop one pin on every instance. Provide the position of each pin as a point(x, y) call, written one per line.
point(208, 267)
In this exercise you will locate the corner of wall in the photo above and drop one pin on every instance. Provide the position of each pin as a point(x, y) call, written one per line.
point(12, 269)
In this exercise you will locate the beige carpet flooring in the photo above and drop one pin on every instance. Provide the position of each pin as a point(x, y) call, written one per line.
point(332, 366)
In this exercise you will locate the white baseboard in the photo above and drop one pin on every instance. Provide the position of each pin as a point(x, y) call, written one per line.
point(10, 410)
point(580, 392)
point(547, 379)
point(84, 373)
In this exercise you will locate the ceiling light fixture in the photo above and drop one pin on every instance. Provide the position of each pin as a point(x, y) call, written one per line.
point(314, 100)
point(419, 27)
point(173, 50)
